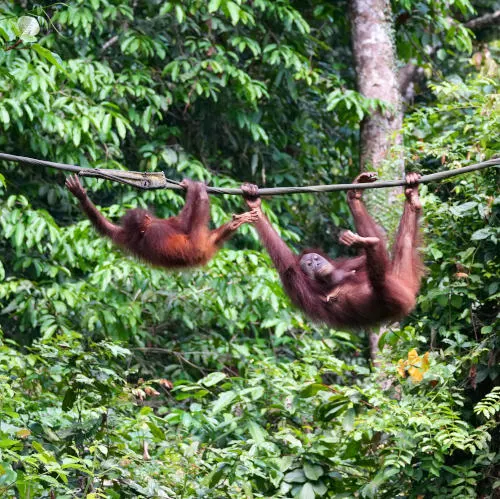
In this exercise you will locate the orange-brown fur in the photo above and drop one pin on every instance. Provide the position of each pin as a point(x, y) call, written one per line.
point(177, 242)
point(374, 288)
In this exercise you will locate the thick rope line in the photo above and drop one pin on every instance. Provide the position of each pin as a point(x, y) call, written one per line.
point(157, 180)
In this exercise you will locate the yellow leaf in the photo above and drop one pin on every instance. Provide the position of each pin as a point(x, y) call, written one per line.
point(415, 374)
point(413, 357)
point(401, 368)
point(425, 362)
point(24, 433)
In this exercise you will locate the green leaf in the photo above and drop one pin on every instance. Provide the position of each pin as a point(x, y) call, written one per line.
point(69, 399)
point(481, 234)
point(348, 421)
point(216, 475)
point(120, 127)
point(179, 14)
point(312, 389)
point(312, 471)
point(7, 475)
point(4, 116)
point(77, 135)
point(212, 379)
point(51, 480)
point(295, 476)
point(257, 392)
point(47, 54)
point(7, 33)
point(85, 124)
point(106, 124)
point(307, 492)
point(223, 401)
point(352, 449)
point(259, 435)
point(320, 488)
point(19, 235)
point(7, 443)
point(234, 11)
point(213, 5)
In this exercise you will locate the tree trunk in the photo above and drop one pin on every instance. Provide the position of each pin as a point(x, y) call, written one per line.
point(376, 77)
point(380, 140)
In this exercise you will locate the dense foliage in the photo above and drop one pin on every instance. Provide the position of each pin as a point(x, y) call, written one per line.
point(118, 380)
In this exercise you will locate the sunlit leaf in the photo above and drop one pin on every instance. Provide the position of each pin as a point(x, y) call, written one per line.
point(28, 26)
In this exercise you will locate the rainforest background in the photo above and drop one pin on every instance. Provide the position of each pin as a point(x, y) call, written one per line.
point(118, 380)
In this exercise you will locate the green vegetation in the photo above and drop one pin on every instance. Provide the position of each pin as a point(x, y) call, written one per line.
point(118, 380)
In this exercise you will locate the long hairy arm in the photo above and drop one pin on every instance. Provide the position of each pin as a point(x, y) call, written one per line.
point(99, 221)
point(281, 255)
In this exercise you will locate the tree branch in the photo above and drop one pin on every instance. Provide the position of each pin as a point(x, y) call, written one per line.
point(484, 21)
point(110, 42)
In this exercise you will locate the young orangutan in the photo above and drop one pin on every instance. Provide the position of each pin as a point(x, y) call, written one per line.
point(176, 242)
point(352, 292)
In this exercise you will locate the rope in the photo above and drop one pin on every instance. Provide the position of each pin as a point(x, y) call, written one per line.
point(157, 180)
